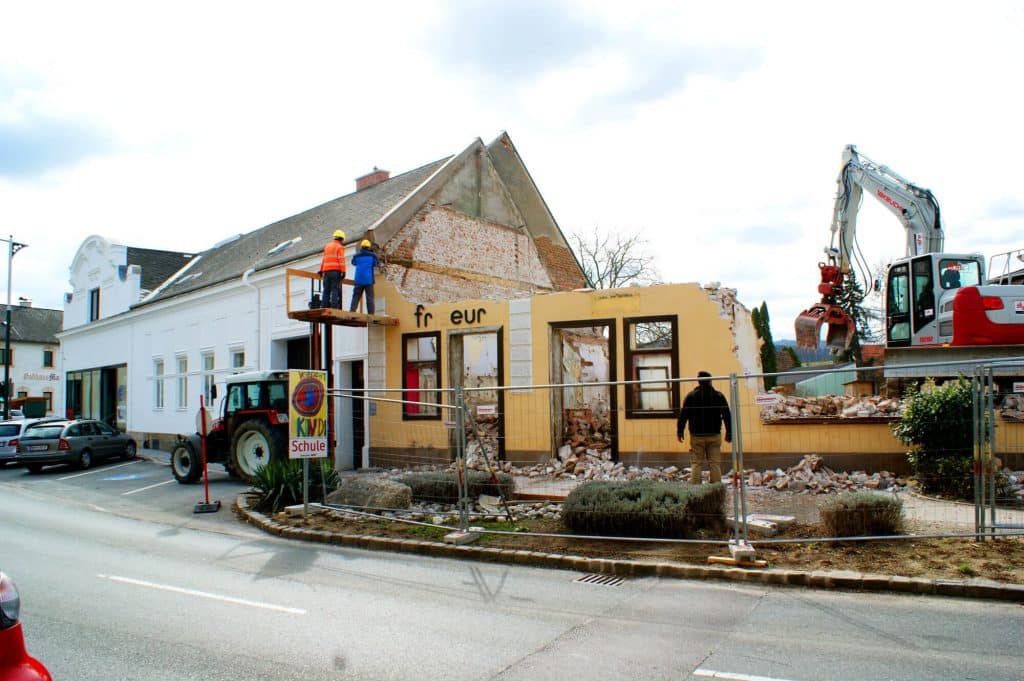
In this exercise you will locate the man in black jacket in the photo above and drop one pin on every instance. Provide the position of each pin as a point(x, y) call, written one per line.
point(705, 409)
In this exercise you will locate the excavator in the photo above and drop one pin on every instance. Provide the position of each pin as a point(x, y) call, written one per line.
point(932, 299)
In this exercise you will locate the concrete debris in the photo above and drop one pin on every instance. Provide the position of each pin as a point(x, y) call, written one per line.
point(830, 406)
point(1012, 408)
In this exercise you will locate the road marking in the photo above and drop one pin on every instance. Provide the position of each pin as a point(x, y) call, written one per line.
point(711, 674)
point(97, 470)
point(203, 594)
point(143, 489)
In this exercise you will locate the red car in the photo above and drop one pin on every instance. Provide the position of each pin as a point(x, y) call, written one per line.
point(15, 662)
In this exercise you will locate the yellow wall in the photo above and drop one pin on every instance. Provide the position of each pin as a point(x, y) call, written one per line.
point(706, 342)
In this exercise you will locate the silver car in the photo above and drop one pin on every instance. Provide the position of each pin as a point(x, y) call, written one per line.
point(80, 442)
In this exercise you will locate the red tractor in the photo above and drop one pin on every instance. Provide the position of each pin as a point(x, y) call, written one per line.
point(250, 431)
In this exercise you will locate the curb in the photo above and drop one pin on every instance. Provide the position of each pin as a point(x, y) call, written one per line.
point(976, 588)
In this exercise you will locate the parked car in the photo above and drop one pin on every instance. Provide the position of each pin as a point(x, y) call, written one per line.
point(80, 442)
point(15, 662)
point(10, 432)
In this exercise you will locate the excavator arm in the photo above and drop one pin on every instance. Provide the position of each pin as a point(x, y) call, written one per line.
point(918, 212)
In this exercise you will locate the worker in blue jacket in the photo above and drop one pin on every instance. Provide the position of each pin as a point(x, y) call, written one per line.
point(365, 261)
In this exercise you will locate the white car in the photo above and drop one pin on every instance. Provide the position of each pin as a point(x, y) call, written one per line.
point(10, 432)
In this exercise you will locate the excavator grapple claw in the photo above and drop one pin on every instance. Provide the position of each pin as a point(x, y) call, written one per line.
point(840, 327)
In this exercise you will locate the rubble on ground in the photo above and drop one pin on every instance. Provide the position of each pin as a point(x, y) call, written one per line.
point(831, 406)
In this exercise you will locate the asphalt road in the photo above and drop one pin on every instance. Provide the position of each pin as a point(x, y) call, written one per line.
point(120, 580)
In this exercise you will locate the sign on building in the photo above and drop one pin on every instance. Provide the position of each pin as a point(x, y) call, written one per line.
point(307, 414)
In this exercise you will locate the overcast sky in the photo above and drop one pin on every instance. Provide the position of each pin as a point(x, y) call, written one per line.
point(716, 129)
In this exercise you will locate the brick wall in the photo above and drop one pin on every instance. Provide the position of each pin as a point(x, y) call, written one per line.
point(442, 254)
point(561, 265)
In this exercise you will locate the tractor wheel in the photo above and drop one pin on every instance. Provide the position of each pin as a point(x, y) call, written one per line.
point(254, 445)
point(186, 464)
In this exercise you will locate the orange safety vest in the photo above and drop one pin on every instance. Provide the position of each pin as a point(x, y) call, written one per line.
point(334, 257)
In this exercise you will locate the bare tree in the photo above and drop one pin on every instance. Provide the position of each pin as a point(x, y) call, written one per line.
point(614, 260)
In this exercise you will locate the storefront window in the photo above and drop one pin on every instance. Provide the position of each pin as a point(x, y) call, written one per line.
point(421, 369)
point(651, 352)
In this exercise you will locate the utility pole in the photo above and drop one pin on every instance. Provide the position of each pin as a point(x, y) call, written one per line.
point(12, 248)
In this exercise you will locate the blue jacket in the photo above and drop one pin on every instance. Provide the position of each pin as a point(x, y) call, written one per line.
point(364, 261)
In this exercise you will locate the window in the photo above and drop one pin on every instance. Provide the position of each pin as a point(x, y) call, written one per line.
point(956, 273)
point(237, 359)
point(94, 304)
point(47, 358)
point(182, 382)
point(49, 400)
point(22, 393)
point(651, 351)
point(420, 373)
point(208, 378)
point(4, 357)
point(158, 384)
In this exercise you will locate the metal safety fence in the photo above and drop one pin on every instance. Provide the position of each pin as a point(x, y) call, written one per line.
point(817, 459)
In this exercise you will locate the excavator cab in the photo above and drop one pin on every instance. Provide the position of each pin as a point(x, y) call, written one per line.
point(840, 325)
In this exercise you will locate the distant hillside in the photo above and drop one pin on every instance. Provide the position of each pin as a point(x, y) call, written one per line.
point(822, 354)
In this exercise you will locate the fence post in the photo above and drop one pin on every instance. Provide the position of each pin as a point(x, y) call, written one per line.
point(739, 486)
point(460, 459)
point(976, 437)
point(990, 443)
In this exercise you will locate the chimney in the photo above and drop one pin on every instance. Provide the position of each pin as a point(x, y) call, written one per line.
point(374, 177)
point(24, 302)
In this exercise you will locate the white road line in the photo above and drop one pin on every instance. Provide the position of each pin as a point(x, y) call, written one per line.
point(98, 470)
point(203, 594)
point(711, 674)
point(143, 489)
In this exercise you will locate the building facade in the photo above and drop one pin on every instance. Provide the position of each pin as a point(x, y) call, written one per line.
point(141, 352)
point(35, 362)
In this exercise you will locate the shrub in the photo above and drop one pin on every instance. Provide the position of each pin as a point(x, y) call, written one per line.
point(442, 487)
point(862, 514)
point(644, 508)
point(279, 483)
point(937, 422)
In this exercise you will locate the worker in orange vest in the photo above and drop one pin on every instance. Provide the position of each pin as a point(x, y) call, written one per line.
point(332, 269)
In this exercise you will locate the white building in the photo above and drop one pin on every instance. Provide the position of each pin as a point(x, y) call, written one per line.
point(141, 345)
point(35, 369)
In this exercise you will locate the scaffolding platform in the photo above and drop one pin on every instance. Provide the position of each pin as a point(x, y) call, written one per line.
point(328, 315)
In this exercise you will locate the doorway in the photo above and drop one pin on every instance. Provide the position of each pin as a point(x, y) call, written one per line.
point(583, 415)
point(475, 362)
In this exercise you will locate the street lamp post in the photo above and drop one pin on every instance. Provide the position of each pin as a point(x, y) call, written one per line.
point(12, 248)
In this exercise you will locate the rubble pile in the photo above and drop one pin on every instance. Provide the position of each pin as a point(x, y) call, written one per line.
point(1012, 408)
point(810, 475)
point(830, 406)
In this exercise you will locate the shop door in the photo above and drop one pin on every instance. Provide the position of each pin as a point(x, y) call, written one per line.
point(583, 408)
point(476, 366)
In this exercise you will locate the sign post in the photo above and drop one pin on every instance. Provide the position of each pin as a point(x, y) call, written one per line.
point(307, 421)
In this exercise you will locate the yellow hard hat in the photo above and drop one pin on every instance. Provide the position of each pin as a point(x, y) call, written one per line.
point(366, 243)
point(338, 234)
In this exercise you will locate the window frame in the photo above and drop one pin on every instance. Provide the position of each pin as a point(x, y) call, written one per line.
point(436, 335)
point(94, 304)
point(181, 365)
point(51, 363)
point(158, 383)
point(234, 353)
point(4, 355)
point(48, 394)
point(633, 410)
point(209, 375)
